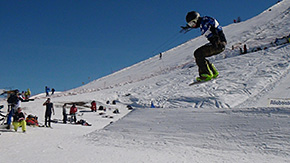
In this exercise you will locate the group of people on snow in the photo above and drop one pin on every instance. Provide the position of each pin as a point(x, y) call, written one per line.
point(278, 41)
point(47, 91)
point(26, 94)
point(238, 20)
point(19, 120)
point(50, 110)
point(14, 111)
point(16, 117)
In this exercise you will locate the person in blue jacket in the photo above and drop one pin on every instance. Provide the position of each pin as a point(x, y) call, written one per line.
point(211, 29)
point(47, 90)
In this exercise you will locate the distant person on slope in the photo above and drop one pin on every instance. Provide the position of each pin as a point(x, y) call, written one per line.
point(47, 90)
point(52, 91)
point(211, 29)
point(94, 106)
point(72, 112)
point(64, 113)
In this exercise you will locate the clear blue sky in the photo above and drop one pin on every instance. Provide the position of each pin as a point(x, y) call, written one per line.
point(63, 43)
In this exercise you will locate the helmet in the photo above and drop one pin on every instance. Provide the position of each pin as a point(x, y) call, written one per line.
point(191, 18)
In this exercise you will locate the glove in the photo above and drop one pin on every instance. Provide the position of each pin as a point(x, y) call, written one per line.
point(184, 29)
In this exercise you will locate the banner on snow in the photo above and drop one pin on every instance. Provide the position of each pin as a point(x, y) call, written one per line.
point(279, 102)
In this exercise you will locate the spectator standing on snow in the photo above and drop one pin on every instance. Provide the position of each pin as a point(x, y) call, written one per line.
point(19, 120)
point(72, 113)
point(211, 29)
point(52, 91)
point(245, 49)
point(64, 113)
point(152, 104)
point(239, 20)
point(47, 90)
point(48, 111)
point(12, 101)
point(93, 106)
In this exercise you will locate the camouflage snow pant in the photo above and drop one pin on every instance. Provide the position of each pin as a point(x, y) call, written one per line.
point(204, 51)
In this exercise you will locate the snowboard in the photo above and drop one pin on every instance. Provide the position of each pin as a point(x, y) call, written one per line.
point(195, 82)
point(27, 100)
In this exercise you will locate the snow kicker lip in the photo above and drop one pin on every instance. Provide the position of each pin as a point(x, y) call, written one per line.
point(259, 110)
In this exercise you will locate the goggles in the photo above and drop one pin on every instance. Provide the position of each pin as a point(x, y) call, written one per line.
point(192, 23)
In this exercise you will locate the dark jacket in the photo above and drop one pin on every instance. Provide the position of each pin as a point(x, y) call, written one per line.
point(49, 107)
point(211, 29)
point(18, 117)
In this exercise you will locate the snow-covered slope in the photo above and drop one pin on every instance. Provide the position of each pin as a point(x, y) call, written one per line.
point(224, 120)
point(241, 77)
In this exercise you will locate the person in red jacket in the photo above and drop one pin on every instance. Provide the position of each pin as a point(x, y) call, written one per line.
point(72, 113)
point(94, 106)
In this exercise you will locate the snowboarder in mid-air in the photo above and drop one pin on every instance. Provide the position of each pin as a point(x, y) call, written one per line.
point(211, 29)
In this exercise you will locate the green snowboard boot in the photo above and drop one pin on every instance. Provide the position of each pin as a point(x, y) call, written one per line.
point(214, 71)
point(205, 77)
